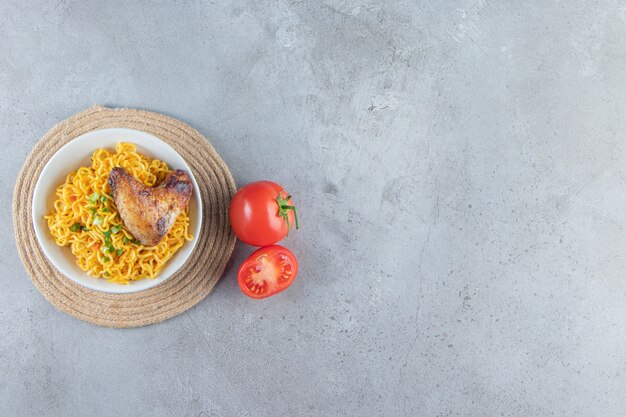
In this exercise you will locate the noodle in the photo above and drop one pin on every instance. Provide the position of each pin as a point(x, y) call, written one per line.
point(85, 219)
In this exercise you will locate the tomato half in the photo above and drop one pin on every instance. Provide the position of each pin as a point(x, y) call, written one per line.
point(262, 213)
point(267, 271)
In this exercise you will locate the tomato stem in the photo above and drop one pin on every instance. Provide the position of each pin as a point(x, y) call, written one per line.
point(284, 208)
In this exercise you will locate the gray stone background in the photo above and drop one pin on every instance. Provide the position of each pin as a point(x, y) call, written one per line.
point(461, 172)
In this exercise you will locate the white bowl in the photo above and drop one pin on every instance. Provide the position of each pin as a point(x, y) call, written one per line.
point(78, 153)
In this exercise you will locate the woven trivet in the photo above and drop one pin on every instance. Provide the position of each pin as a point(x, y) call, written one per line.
point(196, 278)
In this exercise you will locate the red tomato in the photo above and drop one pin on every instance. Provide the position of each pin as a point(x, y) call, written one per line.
point(262, 213)
point(267, 271)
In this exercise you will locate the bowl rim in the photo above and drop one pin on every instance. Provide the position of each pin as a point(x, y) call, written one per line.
point(86, 281)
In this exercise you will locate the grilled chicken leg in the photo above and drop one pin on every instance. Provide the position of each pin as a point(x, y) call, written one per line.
point(149, 212)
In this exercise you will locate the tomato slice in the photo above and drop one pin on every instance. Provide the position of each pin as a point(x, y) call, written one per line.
point(267, 271)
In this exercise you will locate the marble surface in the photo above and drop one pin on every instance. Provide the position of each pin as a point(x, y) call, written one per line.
point(460, 168)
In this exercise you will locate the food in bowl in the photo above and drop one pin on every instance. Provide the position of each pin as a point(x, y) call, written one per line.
point(149, 213)
point(86, 218)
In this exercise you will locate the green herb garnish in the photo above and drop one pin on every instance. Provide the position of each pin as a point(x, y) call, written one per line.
point(97, 221)
point(107, 233)
point(103, 198)
point(106, 210)
point(92, 210)
point(136, 242)
point(126, 240)
point(105, 259)
point(119, 252)
point(75, 227)
point(94, 197)
point(115, 229)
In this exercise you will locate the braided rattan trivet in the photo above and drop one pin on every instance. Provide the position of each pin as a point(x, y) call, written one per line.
point(181, 291)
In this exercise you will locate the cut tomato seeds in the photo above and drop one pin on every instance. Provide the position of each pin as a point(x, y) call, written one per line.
point(267, 271)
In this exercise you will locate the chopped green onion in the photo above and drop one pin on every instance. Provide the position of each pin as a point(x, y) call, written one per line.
point(103, 198)
point(92, 210)
point(115, 229)
point(105, 259)
point(84, 228)
point(105, 249)
point(106, 210)
point(94, 197)
point(97, 221)
point(119, 252)
point(126, 240)
point(107, 233)
point(75, 227)
point(136, 242)
point(107, 240)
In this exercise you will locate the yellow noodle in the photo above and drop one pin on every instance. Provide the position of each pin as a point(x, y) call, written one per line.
point(75, 209)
